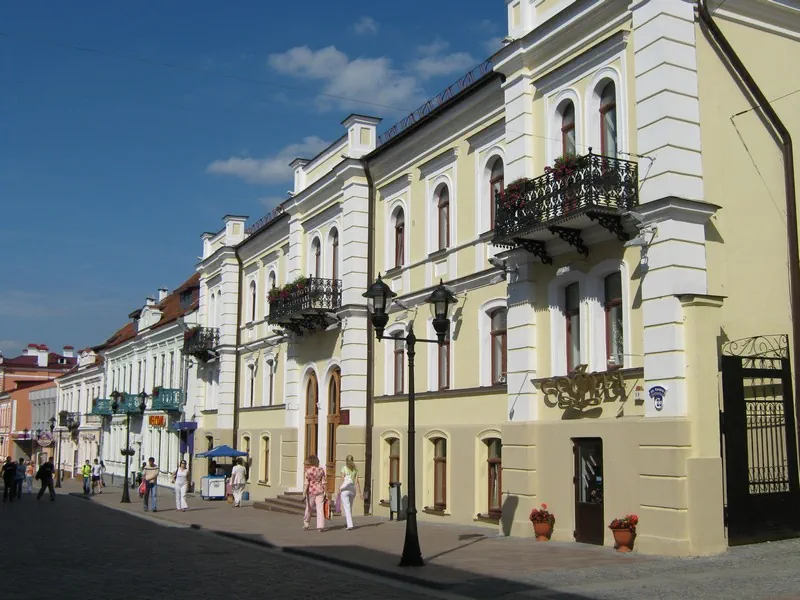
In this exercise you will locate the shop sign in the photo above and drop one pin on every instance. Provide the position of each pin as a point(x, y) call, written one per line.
point(581, 389)
point(657, 393)
point(45, 440)
point(157, 421)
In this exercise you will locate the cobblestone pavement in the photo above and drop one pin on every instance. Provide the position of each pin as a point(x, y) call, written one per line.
point(474, 562)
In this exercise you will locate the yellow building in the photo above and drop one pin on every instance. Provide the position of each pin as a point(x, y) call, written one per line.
point(606, 201)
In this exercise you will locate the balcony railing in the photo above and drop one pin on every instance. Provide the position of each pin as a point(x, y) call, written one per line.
point(597, 187)
point(201, 342)
point(167, 399)
point(306, 305)
point(102, 407)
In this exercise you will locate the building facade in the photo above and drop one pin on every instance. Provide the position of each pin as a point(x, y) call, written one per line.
point(43, 399)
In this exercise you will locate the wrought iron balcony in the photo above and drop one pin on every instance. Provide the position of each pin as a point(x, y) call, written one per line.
point(129, 403)
point(305, 305)
point(70, 420)
point(564, 201)
point(201, 342)
point(102, 407)
point(167, 399)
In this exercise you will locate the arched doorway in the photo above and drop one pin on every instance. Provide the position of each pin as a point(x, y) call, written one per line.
point(334, 406)
point(312, 415)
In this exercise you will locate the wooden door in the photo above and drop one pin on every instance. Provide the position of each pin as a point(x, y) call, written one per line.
point(312, 415)
point(334, 407)
point(588, 480)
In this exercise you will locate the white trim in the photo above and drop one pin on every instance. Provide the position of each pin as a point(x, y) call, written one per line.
point(592, 108)
point(315, 236)
point(388, 362)
point(433, 358)
point(554, 121)
point(389, 243)
point(596, 280)
point(327, 268)
point(484, 337)
point(432, 184)
point(558, 324)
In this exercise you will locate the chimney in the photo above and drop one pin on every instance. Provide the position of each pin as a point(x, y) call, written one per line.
point(162, 294)
point(361, 135)
point(30, 350)
point(150, 301)
point(68, 352)
point(42, 353)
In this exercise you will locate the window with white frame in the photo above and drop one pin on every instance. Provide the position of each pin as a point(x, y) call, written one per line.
point(316, 258)
point(212, 312)
point(171, 369)
point(398, 361)
point(499, 344)
point(269, 376)
point(265, 443)
point(399, 235)
point(439, 473)
point(251, 385)
point(496, 186)
point(568, 135)
point(271, 284)
point(443, 361)
point(334, 253)
point(393, 448)
point(572, 316)
point(253, 300)
point(443, 216)
point(612, 305)
point(608, 119)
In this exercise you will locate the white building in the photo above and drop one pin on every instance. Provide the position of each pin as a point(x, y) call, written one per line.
point(146, 357)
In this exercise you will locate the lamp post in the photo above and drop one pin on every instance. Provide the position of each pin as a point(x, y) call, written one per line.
point(25, 431)
point(127, 451)
point(379, 297)
point(70, 423)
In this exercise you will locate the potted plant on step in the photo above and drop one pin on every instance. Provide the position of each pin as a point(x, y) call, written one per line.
point(543, 521)
point(624, 531)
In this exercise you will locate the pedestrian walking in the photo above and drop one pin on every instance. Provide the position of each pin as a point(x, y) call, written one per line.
point(347, 491)
point(314, 493)
point(181, 481)
point(9, 479)
point(150, 478)
point(96, 483)
point(45, 476)
point(102, 476)
point(86, 471)
point(238, 482)
point(29, 473)
point(19, 479)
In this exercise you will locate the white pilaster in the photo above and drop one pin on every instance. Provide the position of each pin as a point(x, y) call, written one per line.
point(295, 262)
point(519, 127)
point(521, 340)
point(354, 369)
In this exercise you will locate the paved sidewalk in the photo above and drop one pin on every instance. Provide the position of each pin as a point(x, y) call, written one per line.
point(477, 563)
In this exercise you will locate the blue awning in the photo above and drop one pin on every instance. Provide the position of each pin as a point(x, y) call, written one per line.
point(221, 452)
point(184, 426)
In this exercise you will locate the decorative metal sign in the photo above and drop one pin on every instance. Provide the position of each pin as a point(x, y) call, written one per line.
point(45, 439)
point(157, 421)
point(581, 389)
point(657, 393)
point(88, 437)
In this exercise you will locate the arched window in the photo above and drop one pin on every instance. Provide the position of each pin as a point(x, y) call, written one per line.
point(496, 183)
point(316, 256)
point(443, 210)
point(312, 415)
point(270, 375)
point(334, 254)
point(212, 312)
point(394, 460)
point(439, 473)
point(246, 460)
point(265, 459)
point(614, 321)
point(399, 238)
point(572, 314)
point(444, 363)
point(398, 354)
point(568, 142)
point(252, 300)
point(608, 120)
point(494, 466)
point(499, 345)
point(271, 285)
point(251, 385)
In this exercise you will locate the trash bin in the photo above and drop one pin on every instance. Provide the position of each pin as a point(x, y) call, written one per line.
point(395, 498)
point(246, 496)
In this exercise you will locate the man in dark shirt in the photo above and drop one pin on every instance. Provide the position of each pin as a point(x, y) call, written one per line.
point(9, 479)
point(45, 477)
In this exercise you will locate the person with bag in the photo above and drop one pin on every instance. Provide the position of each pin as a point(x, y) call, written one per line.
point(150, 482)
point(314, 493)
point(45, 476)
point(238, 482)
point(181, 481)
point(347, 491)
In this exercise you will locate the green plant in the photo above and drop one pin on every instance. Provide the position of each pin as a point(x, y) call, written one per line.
point(627, 522)
point(542, 515)
point(513, 197)
point(565, 165)
point(299, 284)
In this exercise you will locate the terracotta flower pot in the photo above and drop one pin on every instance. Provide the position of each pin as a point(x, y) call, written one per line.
point(623, 539)
point(543, 531)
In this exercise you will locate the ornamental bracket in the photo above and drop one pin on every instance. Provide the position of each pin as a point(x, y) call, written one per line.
point(572, 237)
point(612, 223)
point(536, 248)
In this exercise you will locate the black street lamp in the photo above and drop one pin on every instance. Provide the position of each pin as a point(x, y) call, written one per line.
point(70, 423)
point(127, 451)
point(379, 297)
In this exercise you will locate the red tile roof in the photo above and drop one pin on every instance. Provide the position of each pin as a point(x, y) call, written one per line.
point(31, 361)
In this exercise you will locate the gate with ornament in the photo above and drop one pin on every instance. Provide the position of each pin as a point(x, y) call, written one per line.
point(759, 441)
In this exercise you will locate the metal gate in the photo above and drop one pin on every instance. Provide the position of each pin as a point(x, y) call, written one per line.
point(759, 441)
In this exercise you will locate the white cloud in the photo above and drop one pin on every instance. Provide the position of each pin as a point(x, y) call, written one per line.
point(366, 26)
point(436, 63)
point(11, 347)
point(346, 81)
point(437, 46)
point(270, 169)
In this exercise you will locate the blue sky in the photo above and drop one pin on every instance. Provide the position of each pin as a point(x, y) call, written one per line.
point(112, 163)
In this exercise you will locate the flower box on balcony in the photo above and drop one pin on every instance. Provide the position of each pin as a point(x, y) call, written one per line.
point(302, 304)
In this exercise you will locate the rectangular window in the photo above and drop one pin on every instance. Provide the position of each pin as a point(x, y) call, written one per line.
point(573, 318)
point(499, 346)
point(161, 379)
point(394, 460)
point(399, 242)
point(444, 364)
point(495, 467)
point(440, 474)
point(265, 441)
point(270, 381)
point(614, 320)
point(399, 362)
point(171, 367)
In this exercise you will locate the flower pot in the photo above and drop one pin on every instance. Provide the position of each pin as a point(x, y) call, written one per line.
point(623, 539)
point(543, 531)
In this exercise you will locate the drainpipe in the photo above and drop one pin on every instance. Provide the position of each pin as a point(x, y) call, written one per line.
point(713, 31)
point(236, 352)
point(370, 342)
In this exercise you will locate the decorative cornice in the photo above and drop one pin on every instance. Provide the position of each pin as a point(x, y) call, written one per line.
point(438, 162)
point(395, 186)
point(678, 209)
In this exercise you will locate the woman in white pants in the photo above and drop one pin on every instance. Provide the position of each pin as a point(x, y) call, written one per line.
point(347, 491)
point(181, 481)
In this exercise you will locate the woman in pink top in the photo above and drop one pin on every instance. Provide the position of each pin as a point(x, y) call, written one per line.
point(314, 492)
